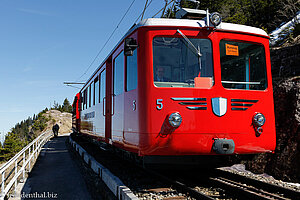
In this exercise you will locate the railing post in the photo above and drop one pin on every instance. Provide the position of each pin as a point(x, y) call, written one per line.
point(24, 166)
point(3, 185)
point(33, 150)
point(40, 144)
point(36, 149)
point(29, 163)
point(16, 172)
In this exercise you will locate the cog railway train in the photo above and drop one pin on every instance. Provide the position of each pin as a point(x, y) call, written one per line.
point(173, 89)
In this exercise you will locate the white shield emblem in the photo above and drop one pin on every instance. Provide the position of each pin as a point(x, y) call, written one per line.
point(219, 106)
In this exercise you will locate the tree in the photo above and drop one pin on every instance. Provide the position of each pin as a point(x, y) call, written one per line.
point(257, 13)
point(12, 144)
point(22, 134)
point(288, 10)
point(55, 106)
point(66, 107)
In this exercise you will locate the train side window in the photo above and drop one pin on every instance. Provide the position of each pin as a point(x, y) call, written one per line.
point(82, 101)
point(88, 97)
point(102, 85)
point(97, 91)
point(119, 74)
point(92, 94)
point(131, 71)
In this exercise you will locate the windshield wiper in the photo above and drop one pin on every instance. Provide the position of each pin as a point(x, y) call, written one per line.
point(194, 49)
point(199, 60)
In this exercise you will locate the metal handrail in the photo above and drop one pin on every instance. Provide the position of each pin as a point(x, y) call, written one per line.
point(33, 149)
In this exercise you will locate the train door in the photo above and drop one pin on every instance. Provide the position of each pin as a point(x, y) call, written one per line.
point(131, 100)
point(100, 89)
point(102, 81)
point(118, 97)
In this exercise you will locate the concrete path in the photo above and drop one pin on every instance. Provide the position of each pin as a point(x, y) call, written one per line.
point(55, 175)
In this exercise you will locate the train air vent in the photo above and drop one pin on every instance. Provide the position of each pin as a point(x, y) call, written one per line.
point(192, 103)
point(242, 104)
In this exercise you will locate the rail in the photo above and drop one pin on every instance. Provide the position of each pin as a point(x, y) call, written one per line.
point(21, 163)
point(250, 188)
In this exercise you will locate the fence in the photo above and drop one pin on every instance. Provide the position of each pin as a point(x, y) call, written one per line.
point(24, 160)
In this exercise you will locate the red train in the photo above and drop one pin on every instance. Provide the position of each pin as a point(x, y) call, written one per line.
point(174, 88)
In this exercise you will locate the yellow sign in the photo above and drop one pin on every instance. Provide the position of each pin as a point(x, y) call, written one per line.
point(232, 50)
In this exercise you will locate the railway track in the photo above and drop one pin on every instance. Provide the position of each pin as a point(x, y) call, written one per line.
point(181, 186)
point(249, 188)
point(216, 184)
point(234, 186)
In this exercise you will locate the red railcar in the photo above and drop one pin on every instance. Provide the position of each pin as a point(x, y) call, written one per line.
point(179, 87)
point(75, 113)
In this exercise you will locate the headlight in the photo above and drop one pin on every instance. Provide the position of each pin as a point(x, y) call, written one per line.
point(215, 18)
point(175, 120)
point(259, 119)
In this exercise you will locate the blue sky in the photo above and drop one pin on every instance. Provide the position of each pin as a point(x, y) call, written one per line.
point(46, 42)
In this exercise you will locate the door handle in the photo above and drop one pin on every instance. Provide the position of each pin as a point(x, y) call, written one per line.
point(103, 111)
point(113, 102)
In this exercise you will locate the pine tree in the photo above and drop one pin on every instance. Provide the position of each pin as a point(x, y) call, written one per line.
point(257, 13)
point(66, 107)
point(12, 145)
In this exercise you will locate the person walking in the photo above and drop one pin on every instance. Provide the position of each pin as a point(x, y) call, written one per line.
point(55, 129)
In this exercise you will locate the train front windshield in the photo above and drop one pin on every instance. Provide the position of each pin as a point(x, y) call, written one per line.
point(179, 62)
point(243, 65)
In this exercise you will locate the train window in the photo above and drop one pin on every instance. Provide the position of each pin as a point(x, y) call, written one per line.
point(85, 99)
point(119, 74)
point(243, 65)
point(88, 97)
point(97, 91)
point(180, 62)
point(131, 71)
point(82, 100)
point(102, 85)
point(92, 95)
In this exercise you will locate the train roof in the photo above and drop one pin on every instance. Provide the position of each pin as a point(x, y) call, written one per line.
point(165, 22)
point(199, 23)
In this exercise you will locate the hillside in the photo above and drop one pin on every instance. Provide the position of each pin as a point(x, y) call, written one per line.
point(284, 163)
point(63, 119)
point(27, 130)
